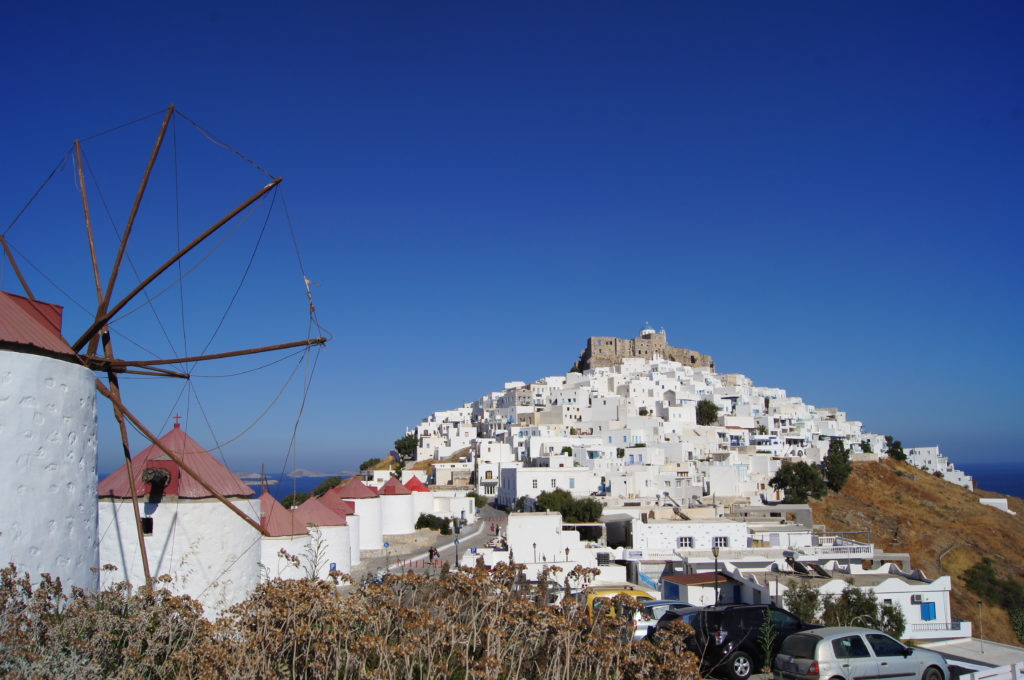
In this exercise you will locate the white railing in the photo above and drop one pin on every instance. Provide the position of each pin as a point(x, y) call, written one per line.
point(837, 545)
point(1011, 672)
point(920, 627)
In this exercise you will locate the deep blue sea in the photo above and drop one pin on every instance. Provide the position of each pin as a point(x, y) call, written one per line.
point(1004, 477)
point(286, 485)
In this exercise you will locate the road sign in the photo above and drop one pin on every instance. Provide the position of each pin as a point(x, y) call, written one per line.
point(386, 544)
point(456, 541)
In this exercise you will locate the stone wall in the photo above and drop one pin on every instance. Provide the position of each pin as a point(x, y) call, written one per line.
point(608, 351)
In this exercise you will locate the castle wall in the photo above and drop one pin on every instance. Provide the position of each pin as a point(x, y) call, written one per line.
point(604, 351)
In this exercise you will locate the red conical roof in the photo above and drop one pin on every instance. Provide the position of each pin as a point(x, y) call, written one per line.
point(278, 520)
point(333, 500)
point(315, 512)
point(353, 488)
point(182, 485)
point(393, 487)
point(414, 484)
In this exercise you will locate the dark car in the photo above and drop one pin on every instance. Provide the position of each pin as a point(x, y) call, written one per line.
point(728, 638)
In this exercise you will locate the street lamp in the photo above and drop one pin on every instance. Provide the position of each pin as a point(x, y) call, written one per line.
point(534, 552)
point(714, 551)
point(566, 554)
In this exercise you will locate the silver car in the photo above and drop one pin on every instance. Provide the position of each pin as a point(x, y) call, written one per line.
point(854, 654)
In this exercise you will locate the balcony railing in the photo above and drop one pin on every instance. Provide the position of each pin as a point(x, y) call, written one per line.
point(837, 545)
point(922, 627)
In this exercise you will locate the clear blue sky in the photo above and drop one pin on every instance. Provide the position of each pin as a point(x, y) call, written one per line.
point(826, 197)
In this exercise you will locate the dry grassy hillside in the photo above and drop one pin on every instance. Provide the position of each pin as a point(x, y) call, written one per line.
point(943, 527)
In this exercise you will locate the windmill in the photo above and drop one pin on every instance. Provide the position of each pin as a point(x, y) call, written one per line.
point(94, 350)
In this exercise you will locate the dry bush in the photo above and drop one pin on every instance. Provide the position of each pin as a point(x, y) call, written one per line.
point(469, 623)
point(114, 633)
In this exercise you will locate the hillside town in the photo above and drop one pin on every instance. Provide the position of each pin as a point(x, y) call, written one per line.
point(687, 508)
point(668, 466)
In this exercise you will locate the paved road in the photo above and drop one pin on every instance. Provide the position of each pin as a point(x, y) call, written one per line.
point(473, 536)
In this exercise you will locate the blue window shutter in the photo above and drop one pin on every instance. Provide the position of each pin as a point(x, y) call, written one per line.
point(927, 611)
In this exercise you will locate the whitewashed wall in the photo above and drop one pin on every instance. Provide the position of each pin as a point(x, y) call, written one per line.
point(423, 503)
point(663, 535)
point(276, 565)
point(336, 549)
point(355, 530)
point(210, 553)
point(397, 514)
point(48, 468)
point(371, 536)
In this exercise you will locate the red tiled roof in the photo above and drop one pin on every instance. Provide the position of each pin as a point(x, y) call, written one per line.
point(33, 323)
point(393, 487)
point(353, 488)
point(182, 485)
point(414, 484)
point(315, 512)
point(278, 520)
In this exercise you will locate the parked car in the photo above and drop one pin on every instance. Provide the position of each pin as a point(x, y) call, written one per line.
point(727, 638)
point(600, 600)
point(652, 612)
point(839, 653)
point(600, 597)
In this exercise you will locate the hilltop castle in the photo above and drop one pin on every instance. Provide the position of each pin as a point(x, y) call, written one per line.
point(607, 351)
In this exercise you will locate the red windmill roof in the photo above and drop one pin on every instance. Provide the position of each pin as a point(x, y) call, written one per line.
point(182, 485)
point(32, 323)
point(333, 500)
point(353, 488)
point(278, 520)
point(393, 487)
point(315, 512)
point(414, 484)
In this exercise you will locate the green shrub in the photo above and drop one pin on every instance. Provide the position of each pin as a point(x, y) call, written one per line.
point(428, 521)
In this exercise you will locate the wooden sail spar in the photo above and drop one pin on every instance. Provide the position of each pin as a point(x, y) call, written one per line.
point(94, 347)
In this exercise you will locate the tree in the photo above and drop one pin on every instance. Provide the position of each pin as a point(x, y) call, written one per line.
point(894, 447)
point(859, 607)
point(587, 510)
point(707, 412)
point(837, 465)
point(799, 481)
point(571, 509)
point(406, 446)
point(326, 485)
point(803, 600)
point(369, 463)
point(865, 446)
point(294, 500)
point(762, 429)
